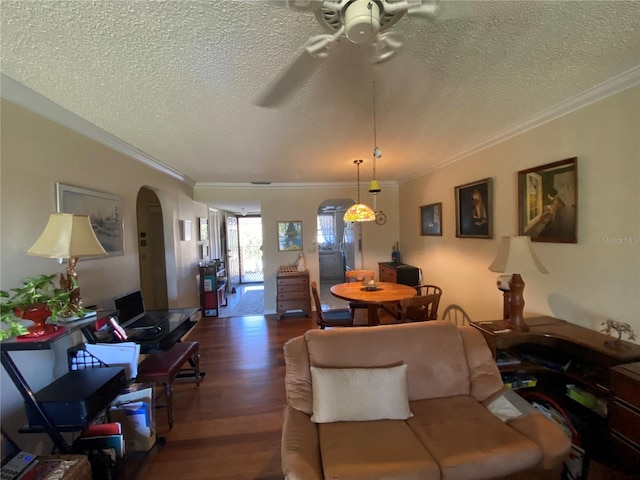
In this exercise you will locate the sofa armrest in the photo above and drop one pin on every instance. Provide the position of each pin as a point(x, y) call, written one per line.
point(554, 443)
point(300, 447)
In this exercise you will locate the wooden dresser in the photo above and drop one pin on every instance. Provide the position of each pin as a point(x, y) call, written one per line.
point(624, 415)
point(293, 291)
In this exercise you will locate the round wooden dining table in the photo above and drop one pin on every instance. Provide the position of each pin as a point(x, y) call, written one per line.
point(386, 292)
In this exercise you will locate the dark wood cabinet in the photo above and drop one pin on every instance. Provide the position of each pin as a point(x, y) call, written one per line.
point(399, 273)
point(565, 358)
point(293, 291)
point(624, 415)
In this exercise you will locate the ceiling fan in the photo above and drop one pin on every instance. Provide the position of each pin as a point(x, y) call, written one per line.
point(359, 21)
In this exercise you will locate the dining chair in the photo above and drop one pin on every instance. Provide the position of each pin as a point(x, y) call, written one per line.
point(335, 317)
point(425, 289)
point(359, 276)
point(456, 315)
point(420, 308)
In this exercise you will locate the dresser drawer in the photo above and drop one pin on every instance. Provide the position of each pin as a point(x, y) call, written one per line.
point(292, 288)
point(293, 295)
point(294, 305)
point(625, 421)
point(388, 275)
point(625, 383)
point(297, 281)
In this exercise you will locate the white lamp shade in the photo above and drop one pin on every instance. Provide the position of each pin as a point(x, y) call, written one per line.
point(67, 236)
point(516, 255)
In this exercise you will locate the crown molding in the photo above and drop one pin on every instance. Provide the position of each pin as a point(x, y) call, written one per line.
point(22, 95)
point(614, 85)
point(284, 186)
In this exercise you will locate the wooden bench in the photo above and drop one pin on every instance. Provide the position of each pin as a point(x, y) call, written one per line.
point(164, 367)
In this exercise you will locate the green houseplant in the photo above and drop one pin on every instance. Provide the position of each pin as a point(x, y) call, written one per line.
point(37, 300)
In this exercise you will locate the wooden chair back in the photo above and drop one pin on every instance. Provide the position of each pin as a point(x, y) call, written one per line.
point(336, 317)
point(359, 275)
point(420, 308)
point(456, 315)
point(428, 290)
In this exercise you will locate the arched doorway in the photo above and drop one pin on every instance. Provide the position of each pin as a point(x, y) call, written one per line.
point(151, 250)
point(337, 242)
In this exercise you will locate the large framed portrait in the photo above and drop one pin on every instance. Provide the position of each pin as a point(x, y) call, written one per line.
point(474, 210)
point(548, 202)
point(289, 236)
point(104, 210)
point(431, 219)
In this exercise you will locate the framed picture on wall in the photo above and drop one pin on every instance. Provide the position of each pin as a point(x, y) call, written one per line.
point(431, 219)
point(104, 211)
point(289, 236)
point(203, 229)
point(474, 210)
point(548, 202)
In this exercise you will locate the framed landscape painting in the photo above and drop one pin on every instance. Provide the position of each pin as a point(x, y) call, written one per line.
point(474, 210)
point(104, 210)
point(289, 236)
point(548, 202)
point(431, 219)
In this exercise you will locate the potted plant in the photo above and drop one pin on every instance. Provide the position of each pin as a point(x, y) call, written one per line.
point(37, 300)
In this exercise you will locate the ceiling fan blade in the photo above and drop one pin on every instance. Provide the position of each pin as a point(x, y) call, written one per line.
point(314, 51)
point(386, 45)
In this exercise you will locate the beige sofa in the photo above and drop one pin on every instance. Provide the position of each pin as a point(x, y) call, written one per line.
point(408, 401)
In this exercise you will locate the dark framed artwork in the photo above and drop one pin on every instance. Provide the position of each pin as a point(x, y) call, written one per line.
point(474, 210)
point(548, 202)
point(431, 219)
point(289, 236)
point(104, 210)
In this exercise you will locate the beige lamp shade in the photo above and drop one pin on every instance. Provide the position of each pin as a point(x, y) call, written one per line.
point(516, 255)
point(67, 236)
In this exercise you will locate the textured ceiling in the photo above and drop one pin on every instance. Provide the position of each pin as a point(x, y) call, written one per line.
point(178, 79)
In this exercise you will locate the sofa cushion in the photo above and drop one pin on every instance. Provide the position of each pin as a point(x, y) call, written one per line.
point(359, 394)
point(468, 442)
point(382, 449)
point(433, 351)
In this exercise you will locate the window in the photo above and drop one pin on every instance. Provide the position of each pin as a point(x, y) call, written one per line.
point(327, 229)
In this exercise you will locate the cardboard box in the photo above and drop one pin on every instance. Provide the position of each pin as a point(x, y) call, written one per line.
point(135, 411)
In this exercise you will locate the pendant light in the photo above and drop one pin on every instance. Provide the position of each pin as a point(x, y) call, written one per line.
point(374, 186)
point(359, 212)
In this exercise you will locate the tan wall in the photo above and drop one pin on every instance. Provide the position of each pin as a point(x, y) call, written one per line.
point(597, 278)
point(301, 203)
point(37, 153)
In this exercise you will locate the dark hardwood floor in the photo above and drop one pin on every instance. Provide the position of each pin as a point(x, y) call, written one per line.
point(229, 428)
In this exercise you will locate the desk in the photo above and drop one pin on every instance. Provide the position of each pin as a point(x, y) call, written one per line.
point(178, 321)
point(559, 354)
point(386, 293)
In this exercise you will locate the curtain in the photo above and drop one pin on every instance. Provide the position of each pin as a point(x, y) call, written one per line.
point(327, 228)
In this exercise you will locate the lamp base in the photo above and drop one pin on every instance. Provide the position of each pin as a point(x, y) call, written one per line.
point(516, 307)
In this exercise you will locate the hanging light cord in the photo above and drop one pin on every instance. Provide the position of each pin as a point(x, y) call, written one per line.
point(375, 136)
point(358, 162)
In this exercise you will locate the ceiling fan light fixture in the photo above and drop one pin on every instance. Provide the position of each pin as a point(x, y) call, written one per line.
point(362, 21)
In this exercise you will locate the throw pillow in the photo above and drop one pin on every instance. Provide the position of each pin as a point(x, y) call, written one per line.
point(359, 394)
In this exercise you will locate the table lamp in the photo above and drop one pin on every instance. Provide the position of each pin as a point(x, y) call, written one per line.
point(70, 237)
point(516, 256)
